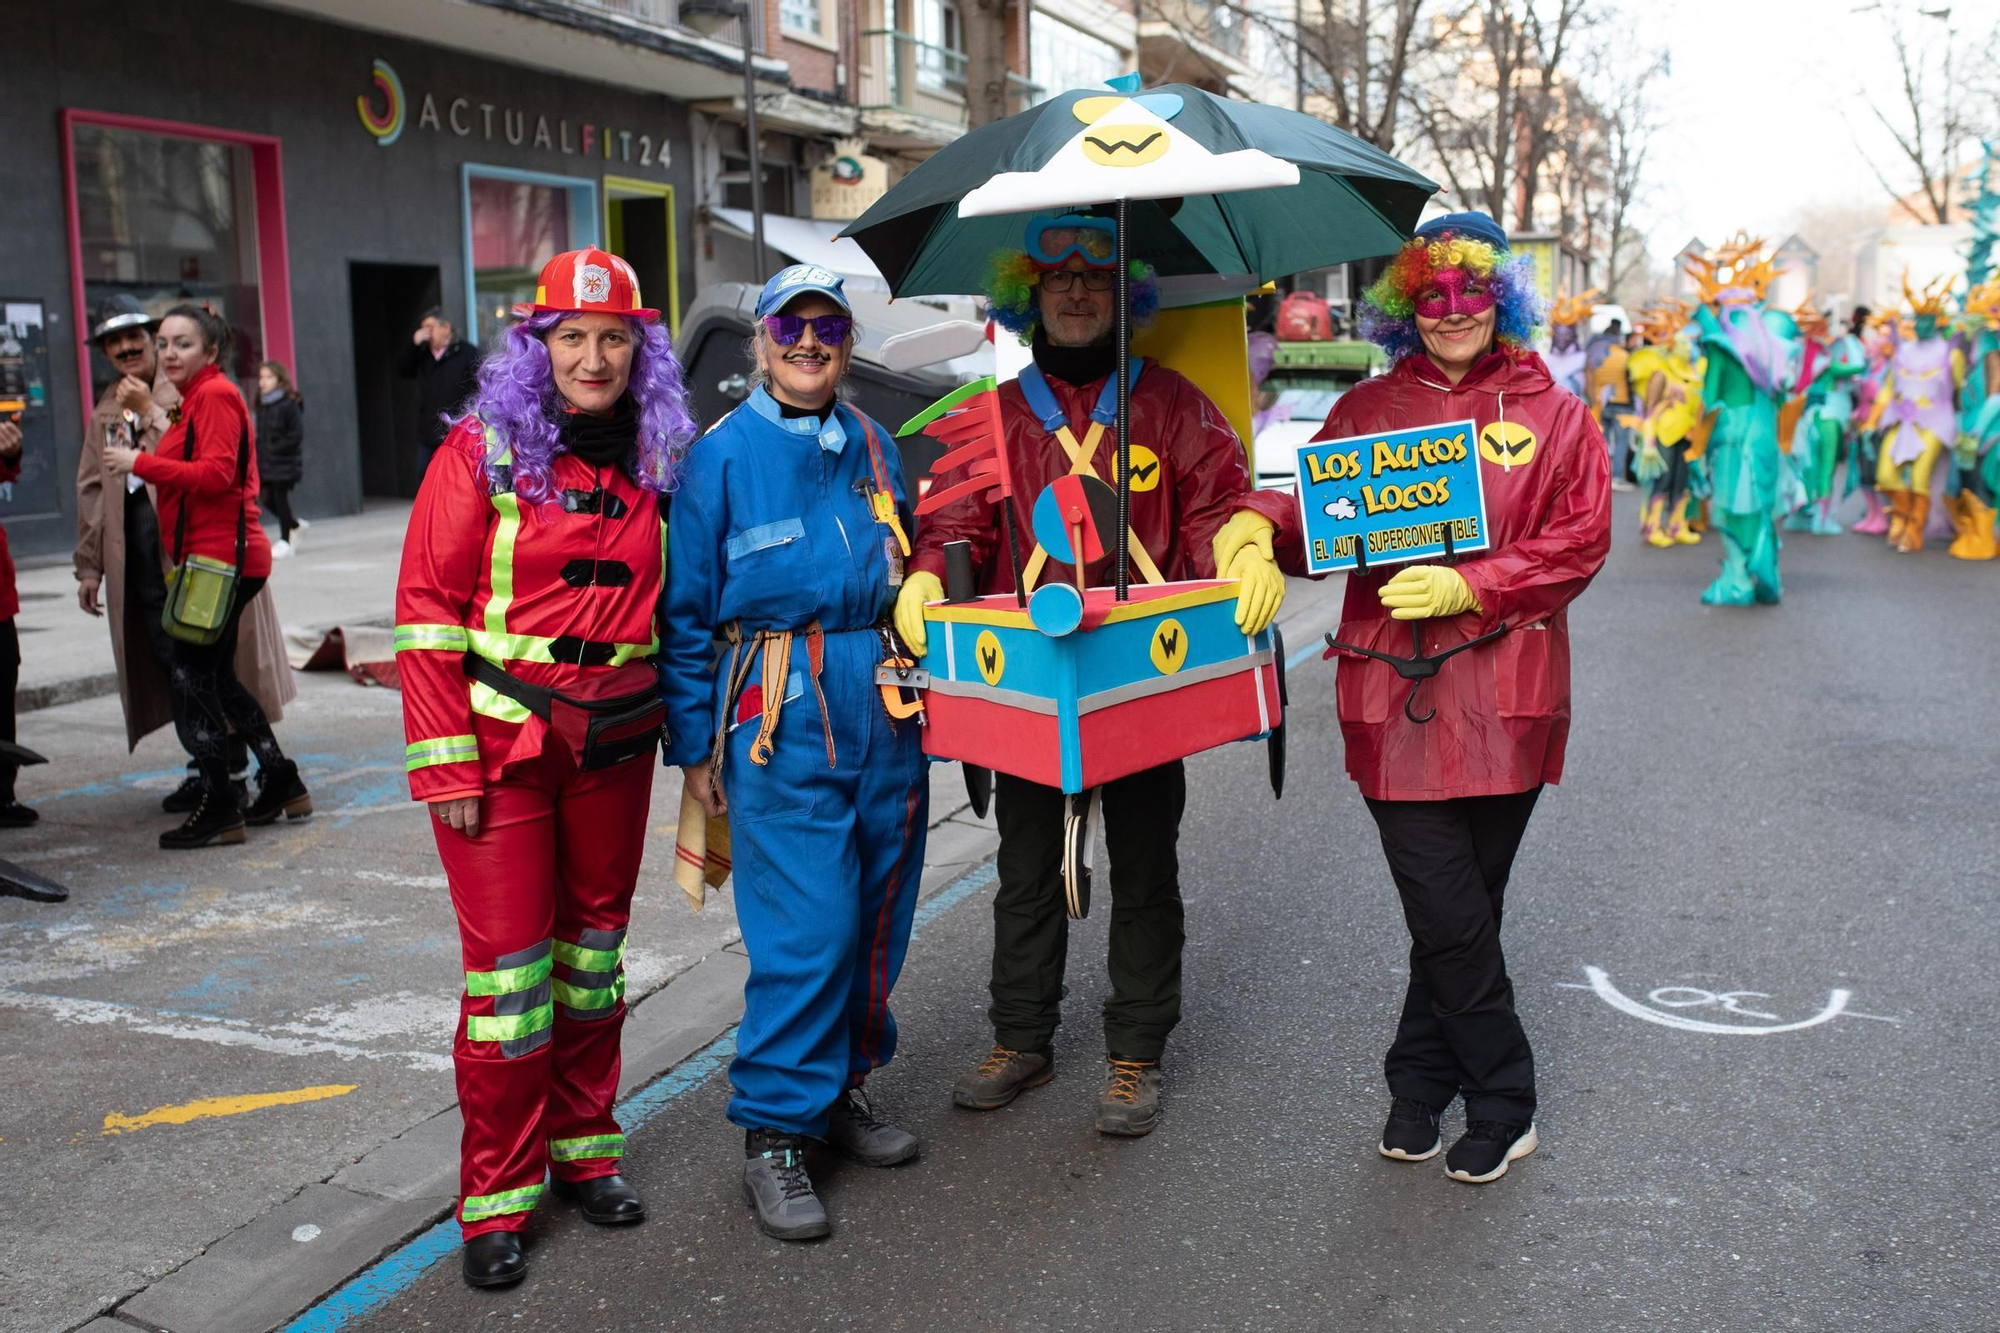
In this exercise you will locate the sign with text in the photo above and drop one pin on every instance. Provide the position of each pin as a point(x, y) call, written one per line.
point(1392, 497)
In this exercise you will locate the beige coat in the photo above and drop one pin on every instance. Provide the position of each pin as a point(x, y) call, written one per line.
point(100, 553)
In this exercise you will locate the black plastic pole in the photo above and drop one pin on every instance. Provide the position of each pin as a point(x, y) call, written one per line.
point(1121, 290)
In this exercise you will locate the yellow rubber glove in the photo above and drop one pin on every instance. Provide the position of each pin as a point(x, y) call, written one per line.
point(1246, 527)
point(918, 588)
point(1260, 590)
point(1421, 592)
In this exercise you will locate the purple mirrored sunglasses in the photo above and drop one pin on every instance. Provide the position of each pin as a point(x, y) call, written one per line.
point(831, 330)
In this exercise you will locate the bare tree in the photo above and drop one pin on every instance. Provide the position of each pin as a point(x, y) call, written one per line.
point(1933, 113)
point(983, 24)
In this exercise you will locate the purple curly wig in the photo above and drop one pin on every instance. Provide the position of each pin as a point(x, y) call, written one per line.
point(518, 404)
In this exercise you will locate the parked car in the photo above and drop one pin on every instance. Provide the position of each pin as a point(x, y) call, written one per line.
point(1306, 380)
point(717, 327)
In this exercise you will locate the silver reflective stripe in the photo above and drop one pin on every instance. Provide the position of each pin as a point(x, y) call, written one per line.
point(1141, 689)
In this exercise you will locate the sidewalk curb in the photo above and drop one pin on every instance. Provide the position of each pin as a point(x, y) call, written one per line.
point(288, 1259)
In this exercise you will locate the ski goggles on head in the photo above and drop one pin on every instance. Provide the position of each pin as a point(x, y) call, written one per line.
point(1449, 293)
point(1052, 240)
point(831, 330)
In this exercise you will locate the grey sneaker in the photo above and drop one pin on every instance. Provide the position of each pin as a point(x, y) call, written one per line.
point(1130, 1103)
point(776, 1184)
point(853, 1131)
point(1001, 1077)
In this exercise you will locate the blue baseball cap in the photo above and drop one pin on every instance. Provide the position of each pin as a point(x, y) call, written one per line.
point(1476, 225)
point(799, 280)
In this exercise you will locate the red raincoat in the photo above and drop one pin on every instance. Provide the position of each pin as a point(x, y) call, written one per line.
point(1188, 477)
point(1502, 708)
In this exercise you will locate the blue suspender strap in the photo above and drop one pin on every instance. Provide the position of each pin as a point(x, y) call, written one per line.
point(1042, 399)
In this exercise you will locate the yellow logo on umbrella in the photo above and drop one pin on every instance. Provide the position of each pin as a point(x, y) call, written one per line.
point(992, 660)
point(1508, 443)
point(1169, 647)
point(1134, 143)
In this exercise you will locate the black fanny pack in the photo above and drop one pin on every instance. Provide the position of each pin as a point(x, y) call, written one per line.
point(603, 731)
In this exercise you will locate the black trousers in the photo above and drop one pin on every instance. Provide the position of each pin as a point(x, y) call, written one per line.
point(278, 499)
point(1459, 1034)
point(1142, 822)
point(146, 599)
point(210, 702)
point(10, 679)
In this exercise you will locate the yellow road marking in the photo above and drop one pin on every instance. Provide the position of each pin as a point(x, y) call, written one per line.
point(203, 1108)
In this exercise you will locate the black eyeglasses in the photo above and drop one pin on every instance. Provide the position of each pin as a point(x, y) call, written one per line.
point(831, 330)
point(1062, 279)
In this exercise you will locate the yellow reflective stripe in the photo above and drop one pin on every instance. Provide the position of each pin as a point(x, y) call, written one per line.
point(589, 960)
point(509, 1027)
point(506, 980)
point(443, 750)
point(500, 649)
point(596, 1145)
point(504, 535)
point(489, 702)
point(442, 638)
point(480, 1206)
point(577, 997)
point(632, 652)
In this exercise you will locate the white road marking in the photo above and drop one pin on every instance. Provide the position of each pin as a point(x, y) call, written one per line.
point(1693, 997)
point(199, 1027)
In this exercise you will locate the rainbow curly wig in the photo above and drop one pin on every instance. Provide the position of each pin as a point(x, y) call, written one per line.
point(1389, 315)
point(1011, 279)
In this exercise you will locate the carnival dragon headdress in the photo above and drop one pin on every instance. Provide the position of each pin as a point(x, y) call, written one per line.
point(1810, 319)
point(1573, 310)
point(1982, 304)
point(1660, 323)
point(1930, 301)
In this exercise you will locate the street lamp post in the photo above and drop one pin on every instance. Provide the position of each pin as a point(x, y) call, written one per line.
point(708, 17)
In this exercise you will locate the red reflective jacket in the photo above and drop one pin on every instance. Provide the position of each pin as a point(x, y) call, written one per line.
point(565, 596)
point(1188, 477)
point(1502, 708)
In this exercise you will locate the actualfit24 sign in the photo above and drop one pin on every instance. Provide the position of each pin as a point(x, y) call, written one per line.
point(1392, 497)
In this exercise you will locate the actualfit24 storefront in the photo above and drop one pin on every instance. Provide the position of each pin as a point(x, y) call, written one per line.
point(320, 186)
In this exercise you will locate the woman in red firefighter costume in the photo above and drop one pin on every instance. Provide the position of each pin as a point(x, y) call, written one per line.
point(1451, 796)
point(525, 632)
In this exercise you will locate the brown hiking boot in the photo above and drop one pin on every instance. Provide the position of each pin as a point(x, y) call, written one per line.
point(1130, 1102)
point(1001, 1077)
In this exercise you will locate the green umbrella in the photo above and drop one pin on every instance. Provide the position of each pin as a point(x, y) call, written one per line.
point(1086, 147)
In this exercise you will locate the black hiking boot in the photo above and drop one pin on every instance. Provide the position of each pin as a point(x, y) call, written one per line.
point(212, 821)
point(279, 791)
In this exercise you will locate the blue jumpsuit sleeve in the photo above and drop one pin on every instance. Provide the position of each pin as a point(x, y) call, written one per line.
point(689, 608)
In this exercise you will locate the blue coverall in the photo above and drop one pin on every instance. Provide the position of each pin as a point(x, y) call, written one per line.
point(771, 527)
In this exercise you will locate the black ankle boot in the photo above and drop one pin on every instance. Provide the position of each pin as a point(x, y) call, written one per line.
point(493, 1259)
point(213, 821)
point(609, 1201)
point(279, 791)
point(15, 815)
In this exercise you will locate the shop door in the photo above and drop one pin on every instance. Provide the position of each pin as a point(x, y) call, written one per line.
point(387, 302)
point(639, 228)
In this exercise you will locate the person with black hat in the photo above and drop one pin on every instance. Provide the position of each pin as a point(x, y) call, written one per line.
point(446, 369)
point(118, 563)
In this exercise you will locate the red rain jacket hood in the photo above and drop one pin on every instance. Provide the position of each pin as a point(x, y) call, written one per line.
point(1502, 708)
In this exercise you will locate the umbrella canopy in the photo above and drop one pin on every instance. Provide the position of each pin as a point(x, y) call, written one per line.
point(1279, 192)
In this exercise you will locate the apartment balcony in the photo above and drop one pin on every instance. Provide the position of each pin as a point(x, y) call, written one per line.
point(912, 97)
point(1192, 41)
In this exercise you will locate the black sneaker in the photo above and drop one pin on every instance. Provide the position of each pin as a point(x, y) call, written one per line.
point(279, 791)
point(211, 822)
point(1412, 1132)
point(1486, 1149)
point(776, 1185)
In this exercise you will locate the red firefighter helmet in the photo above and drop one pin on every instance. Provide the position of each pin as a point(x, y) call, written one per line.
point(589, 281)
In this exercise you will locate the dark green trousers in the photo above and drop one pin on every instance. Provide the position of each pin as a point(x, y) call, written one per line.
point(1142, 824)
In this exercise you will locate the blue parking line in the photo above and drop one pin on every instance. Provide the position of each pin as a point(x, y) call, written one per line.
point(1310, 650)
point(398, 1271)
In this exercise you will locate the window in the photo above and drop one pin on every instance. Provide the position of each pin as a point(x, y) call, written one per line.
point(167, 219)
point(1061, 57)
point(516, 221)
point(940, 36)
point(804, 16)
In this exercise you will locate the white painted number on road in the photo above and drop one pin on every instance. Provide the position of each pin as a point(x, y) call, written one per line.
point(1673, 1006)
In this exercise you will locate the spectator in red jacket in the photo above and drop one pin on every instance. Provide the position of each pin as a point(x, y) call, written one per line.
point(205, 472)
point(12, 813)
point(1452, 795)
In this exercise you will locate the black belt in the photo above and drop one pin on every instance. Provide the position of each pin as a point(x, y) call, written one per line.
point(539, 699)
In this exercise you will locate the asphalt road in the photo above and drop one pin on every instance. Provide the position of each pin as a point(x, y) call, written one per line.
point(1752, 936)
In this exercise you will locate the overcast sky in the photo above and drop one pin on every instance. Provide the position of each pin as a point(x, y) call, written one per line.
point(1754, 121)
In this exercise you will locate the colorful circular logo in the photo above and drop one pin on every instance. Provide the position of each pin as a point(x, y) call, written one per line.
point(1145, 468)
point(1508, 443)
point(388, 126)
point(1169, 647)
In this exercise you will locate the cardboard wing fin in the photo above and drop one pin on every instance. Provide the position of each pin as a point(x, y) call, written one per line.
point(967, 422)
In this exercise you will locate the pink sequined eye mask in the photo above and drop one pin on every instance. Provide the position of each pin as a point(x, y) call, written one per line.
point(1452, 297)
